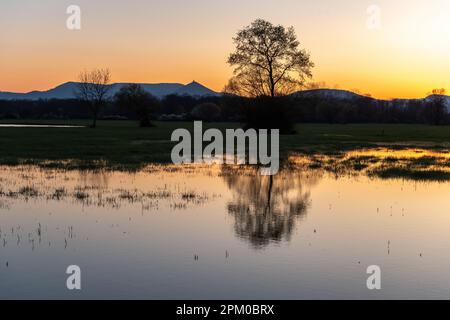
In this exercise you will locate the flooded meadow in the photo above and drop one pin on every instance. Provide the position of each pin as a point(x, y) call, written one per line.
point(227, 232)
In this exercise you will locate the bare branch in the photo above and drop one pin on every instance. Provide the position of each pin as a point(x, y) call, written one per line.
point(268, 58)
point(93, 88)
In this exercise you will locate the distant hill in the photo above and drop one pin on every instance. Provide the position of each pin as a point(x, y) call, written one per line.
point(67, 91)
point(345, 95)
point(329, 94)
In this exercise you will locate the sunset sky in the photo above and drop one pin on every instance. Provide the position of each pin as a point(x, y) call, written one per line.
point(179, 41)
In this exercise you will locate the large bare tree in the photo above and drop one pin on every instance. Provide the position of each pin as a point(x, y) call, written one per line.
point(268, 61)
point(93, 88)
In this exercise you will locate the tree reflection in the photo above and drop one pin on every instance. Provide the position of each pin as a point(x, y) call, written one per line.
point(95, 179)
point(266, 208)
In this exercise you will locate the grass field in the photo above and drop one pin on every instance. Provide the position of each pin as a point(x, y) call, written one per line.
point(122, 144)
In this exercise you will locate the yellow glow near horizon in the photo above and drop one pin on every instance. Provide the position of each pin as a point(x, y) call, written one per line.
point(173, 41)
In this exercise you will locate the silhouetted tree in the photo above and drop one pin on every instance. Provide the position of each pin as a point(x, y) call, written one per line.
point(270, 113)
point(435, 108)
point(268, 61)
point(262, 112)
point(206, 112)
point(136, 99)
point(93, 88)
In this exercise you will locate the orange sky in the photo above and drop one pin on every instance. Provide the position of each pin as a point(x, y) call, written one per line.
point(179, 41)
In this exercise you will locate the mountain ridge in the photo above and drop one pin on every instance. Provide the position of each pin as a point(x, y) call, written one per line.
point(160, 90)
point(67, 91)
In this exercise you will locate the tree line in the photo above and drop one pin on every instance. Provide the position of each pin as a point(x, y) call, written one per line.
point(236, 109)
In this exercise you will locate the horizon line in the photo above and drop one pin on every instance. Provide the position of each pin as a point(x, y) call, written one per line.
point(354, 91)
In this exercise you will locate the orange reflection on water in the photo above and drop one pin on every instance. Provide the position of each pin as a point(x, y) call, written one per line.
point(412, 163)
point(398, 154)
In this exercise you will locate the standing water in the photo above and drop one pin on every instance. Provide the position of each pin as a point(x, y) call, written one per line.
point(211, 232)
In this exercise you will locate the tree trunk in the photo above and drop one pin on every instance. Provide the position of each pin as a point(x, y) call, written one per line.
point(272, 84)
point(269, 191)
point(94, 122)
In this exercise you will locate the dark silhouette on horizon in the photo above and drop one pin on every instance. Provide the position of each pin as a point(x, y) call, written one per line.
point(133, 97)
point(93, 88)
point(268, 61)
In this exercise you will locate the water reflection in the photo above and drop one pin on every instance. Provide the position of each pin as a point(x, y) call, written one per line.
point(48, 193)
point(384, 163)
point(267, 208)
point(98, 179)
point(108, 189)
point(135, 234)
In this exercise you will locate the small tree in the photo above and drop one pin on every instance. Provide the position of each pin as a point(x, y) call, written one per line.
point(93, 88)
point(435, 108)
point(268, 61)
point(136, 99)
point(206, 112)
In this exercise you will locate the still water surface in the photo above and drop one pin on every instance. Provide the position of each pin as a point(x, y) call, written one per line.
point(205, 232)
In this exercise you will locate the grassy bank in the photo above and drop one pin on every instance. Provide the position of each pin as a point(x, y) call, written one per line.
point(121, 144)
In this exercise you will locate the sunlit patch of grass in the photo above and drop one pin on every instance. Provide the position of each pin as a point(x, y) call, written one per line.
point(411, 174)
point(80, 195)
point(158, 194)
point(28, 192)
point(188, 195)
point(58, 194)
point(129, 195)
point(65, 185)
point(381, 162)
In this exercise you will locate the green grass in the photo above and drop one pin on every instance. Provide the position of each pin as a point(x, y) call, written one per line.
point(122, 144)
point(335, 138)
point(412, 174)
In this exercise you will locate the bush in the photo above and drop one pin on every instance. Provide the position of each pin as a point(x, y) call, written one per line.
point(10, 115)
point(206, 112)
point(136, 99)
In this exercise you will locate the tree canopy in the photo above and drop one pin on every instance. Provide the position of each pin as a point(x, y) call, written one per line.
point(268, 61)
